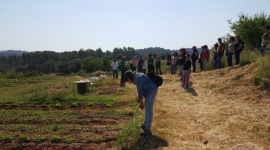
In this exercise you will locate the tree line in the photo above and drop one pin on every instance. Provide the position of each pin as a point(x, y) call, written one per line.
point(65, 62)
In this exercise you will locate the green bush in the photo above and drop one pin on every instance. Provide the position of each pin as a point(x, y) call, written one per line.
point(55, 139)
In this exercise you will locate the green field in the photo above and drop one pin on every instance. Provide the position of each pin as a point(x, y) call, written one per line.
point(38, 111)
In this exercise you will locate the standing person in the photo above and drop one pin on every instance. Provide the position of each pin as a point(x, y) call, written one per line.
point(147, 89)
point(123, 68)
point(265, 39)
point(200, 59)
point(169, 61)
point(135, 63)
point(140, 64)
point(220, 52)
point(215, 55)
point(158, 65)
point(173, 64)
point(239, 46)
point(144, 66)
point(151, 68)
point(194, 58)
point(182, 58)
point(205, 56)
point(115, 66)
point(230, 51)
point(187, 71)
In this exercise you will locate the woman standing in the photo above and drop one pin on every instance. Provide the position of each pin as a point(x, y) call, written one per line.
point(169, 61)
point(239, 46)
point(158, 65)
point(205, 56)
point(230, 51)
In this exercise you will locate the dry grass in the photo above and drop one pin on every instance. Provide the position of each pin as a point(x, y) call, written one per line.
point(222, 110)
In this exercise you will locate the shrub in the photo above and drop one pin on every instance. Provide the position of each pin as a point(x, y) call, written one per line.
point(39, 139)
point(23, 138)
point(74, 104)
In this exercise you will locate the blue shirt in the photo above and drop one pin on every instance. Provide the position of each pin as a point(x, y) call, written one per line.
point(145, 86)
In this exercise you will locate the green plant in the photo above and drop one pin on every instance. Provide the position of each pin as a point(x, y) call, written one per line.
point(55, 127)
point(7, 138)
point(74, 104)
point(91, 104)
point(23, 138)
point(39, 139)
point(69, 140)
point(99, 138)
point(57, 105)
point(55, 139)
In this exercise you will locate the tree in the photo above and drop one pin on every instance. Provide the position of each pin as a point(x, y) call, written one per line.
point(250, 29)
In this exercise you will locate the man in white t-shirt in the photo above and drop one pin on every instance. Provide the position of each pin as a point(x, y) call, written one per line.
point(115, 69)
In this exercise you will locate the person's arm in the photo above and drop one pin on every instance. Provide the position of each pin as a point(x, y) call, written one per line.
point(139, 86)
point(239, 47)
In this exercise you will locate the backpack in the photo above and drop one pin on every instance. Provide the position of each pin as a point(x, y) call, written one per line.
point(155, 78)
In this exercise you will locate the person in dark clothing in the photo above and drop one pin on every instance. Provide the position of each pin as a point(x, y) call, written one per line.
point(187, 71)
point(158, 65)
point(182, 59)
point(151, 68)
point(215, 55)
point(200, 60)
point(194, 58)
point(140, 64)
point(238, 49)
point(147, 89)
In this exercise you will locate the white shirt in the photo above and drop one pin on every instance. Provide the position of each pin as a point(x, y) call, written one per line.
point(114, 65)
point(144, 65)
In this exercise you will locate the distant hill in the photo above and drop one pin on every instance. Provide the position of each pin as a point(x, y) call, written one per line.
point(161, 51)
point(12, 52)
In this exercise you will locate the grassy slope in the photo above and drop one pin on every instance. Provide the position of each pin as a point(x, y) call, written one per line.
point(222, 110)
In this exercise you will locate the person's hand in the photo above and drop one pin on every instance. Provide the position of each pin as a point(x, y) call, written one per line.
point(141, 105)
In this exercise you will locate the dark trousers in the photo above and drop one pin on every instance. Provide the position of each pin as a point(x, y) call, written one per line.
point(151, 68)
point(133, 69)
point(215, 61)
point(219, 61)
point(237, 56)
point(194, 65)
point(158, 69)
point(140, 69)
point(229, 59)
point(115, 74)
point(122, 77)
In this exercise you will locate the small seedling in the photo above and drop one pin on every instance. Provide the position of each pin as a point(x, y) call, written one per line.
point(55, 127)
point(91, 104)
point(99, 138)
point(57, 105)
point(69, 140)
point(55, 139)
point(39, 139)
point(7, 138)
point(23, 138)
point(74, 104)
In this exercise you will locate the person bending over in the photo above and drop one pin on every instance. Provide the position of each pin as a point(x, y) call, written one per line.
point(148, 89)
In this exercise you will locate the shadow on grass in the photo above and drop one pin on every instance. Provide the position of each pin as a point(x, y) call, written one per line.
point(147, 143)
point(191, 89)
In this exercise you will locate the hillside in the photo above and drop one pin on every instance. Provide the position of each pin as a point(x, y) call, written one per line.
point(221, 110)
point(12, 52)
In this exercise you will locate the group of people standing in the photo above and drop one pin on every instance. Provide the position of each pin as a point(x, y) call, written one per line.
point(138, 65)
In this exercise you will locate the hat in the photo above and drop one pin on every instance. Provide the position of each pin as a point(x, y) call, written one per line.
point(127, 75)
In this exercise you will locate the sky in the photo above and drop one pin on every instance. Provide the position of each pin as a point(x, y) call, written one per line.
point(67, 25)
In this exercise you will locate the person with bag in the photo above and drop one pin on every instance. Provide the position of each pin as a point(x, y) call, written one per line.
point(146, 89)
point(230, 51)
point(239, 46)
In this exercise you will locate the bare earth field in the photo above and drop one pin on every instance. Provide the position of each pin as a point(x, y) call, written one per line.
point(221, 110)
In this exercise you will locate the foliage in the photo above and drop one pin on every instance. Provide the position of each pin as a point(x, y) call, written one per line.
point(262, 77)
point(250, 29)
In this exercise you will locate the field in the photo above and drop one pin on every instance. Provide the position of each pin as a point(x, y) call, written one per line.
point(46, 112)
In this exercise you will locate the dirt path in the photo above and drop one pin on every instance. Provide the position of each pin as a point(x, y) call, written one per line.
point(222, 110)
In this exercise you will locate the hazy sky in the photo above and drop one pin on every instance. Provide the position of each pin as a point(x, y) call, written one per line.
point(66, 25)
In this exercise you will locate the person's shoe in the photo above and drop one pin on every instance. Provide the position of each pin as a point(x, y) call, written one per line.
point(143, 126)
point(146, 132)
